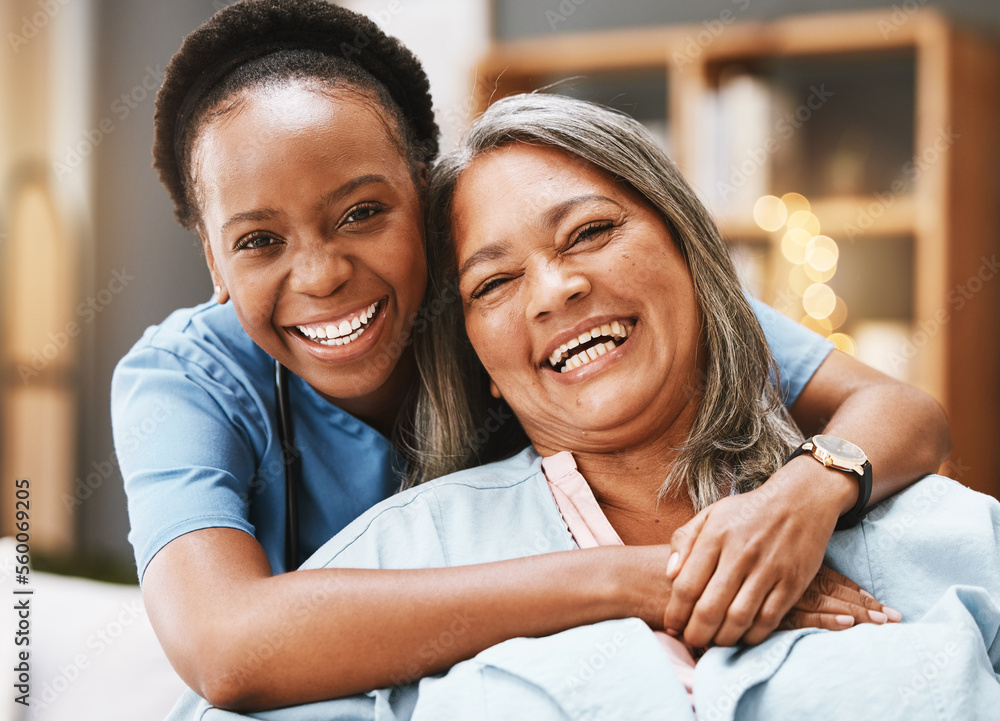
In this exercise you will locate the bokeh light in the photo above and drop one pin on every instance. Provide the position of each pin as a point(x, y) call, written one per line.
point(819, 276)
point(819, 300)
point(843, 342)
point(795, 202)
point(822, 252)
point(805, 220)
point(793, 245)
point(839, 315)
point(769, 212)
point(798, 281)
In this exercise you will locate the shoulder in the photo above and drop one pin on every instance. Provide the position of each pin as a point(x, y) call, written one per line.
point(205, 346)
point(208, 335)
point(492, 512)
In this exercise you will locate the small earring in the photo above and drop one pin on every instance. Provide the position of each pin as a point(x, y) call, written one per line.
point(218, 290)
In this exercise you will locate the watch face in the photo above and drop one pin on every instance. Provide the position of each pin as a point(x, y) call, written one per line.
point(840, 448)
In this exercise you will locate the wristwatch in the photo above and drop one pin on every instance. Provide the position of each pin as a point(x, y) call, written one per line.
point(842, 455)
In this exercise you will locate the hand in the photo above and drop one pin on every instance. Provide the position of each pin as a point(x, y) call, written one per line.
point(835, 602)
point(744, 561)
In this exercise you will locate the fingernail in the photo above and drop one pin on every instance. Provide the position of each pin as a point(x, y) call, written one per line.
point(866, 594)
point(672, 632)
point(877, 617)
point(892, 614)
point(845, 620)
point(673, 563)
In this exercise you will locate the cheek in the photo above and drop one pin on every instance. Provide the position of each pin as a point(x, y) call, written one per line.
point(499, 341)
point(406, 272)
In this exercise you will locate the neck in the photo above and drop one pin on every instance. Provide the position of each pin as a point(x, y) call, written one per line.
point(380, 409)
point(627, 487)
point(626, 481)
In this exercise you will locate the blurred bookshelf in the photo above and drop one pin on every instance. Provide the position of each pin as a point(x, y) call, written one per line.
point(853, 163)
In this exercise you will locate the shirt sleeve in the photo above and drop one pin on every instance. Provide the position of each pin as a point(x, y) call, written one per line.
point(183, 447)
point(797, 351)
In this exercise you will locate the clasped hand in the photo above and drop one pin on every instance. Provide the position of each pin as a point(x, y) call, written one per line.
point(751, 563)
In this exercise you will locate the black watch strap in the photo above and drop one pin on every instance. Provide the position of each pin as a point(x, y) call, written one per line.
point(852, 517)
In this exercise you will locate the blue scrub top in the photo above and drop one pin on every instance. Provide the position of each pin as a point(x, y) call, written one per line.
point(196, 433)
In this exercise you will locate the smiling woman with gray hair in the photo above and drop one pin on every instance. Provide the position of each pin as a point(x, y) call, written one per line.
point(742, 432)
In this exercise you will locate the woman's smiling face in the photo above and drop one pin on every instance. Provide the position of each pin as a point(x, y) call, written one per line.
point(315, 231)
point(550, 249)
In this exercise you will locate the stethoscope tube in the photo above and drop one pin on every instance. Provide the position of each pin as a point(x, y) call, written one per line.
point(288, 456)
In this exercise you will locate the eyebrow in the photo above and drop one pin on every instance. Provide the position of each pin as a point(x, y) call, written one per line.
point(493, 251)
point(559, 211)
point(328, 199)
point(551, 217)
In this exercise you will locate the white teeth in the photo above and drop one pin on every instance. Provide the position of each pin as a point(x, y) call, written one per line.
point(344, 332)
point(345, 340)
point(614, 330)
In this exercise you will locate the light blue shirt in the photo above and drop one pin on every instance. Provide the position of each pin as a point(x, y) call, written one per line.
point(195, 427)
point(932, 552)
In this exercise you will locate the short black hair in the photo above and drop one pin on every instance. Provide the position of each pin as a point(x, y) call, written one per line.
point(255, 42)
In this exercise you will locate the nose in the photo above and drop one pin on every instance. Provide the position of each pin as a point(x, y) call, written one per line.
point(319, 269)
point(555, 284)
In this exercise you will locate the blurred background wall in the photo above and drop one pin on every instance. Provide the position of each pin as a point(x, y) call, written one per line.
point(90, 254)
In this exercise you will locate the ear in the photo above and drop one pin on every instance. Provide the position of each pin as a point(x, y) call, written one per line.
point(494, 391)
point(221, 293)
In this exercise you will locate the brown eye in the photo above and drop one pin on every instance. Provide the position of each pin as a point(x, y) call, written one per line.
point(487, 287)
point(589, 232)
point(362, 212)
point(255, 241)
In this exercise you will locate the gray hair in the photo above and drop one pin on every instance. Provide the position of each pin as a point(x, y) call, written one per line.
point(741, 433)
